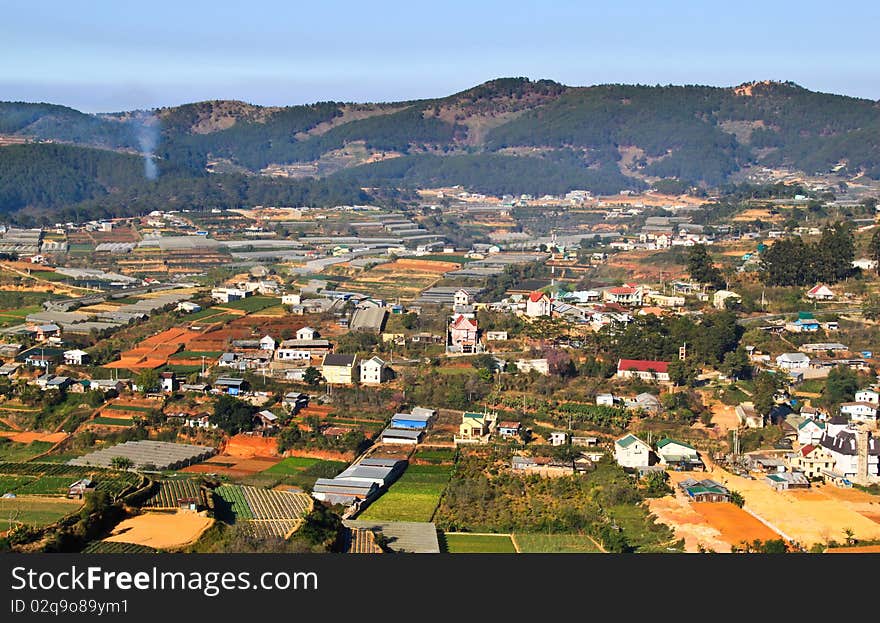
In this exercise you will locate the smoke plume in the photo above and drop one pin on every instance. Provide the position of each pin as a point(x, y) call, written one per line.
point(147, 131)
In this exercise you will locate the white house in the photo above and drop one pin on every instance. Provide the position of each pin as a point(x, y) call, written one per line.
point(859, 411)
point(720, 298)
point(291, 299)
point(844, 446)
point(820, 292)
point(374, 371)
point(538, 304)
point(200, 421)
point(605, 400)
point(227, 295)
point(188, 307)
point(558, 438)
point(267, 342)
point(810, 431)
point(793, 361)
point(628, 294)
point(671, 452)
point(496, 336)
point(75, 357)
point(542, 366)
point(643, 369)
point(462, 298)
point(630, 451)
point(306, 333)
point(865, 395)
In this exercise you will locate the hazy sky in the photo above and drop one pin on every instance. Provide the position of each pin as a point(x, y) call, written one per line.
point(108, 56)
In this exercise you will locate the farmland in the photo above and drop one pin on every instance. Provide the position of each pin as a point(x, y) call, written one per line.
point(161, 530)
point(116, 547)
point(463, 543)
point(170, 492)
point(106, 421)
point(413, 497)
point(531, 543)
point(266, 512)
point(250, 304)
point(34, 511)
point(54, 478)
point(12, 451)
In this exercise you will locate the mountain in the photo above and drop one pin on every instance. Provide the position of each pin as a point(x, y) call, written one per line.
point(510, 135)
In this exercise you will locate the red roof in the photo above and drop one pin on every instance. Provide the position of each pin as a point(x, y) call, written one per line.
point(461, 322)
point(509, 425)
point(643, 365)
point(622, 290)
point(534, 297)
point(807, 449)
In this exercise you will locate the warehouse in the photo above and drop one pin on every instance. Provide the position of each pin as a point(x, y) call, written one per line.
point(160, 455)
point(369, 320)
point(343, 491)
point(401, 436)
point(410, 421)
point(382, 472)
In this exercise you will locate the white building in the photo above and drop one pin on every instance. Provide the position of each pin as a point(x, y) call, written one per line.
point(630, 451)
point(868, 395)
point(306, 333)
point(558, 438)
point(75, 357)
point(720, 298)
point(188, 307)
point(541, 366)
point(291, 299)
point(859, 411)
point(793, 361)
point(538, 304)
point(605, 400)
point(810, 432)
point(462, 298)
point(267, 342)
point(374, 371)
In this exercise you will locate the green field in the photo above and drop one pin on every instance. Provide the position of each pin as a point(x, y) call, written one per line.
point(220, 318)
point(435, 456)
point(196, 354)
point(251, 303)
point(292, 465)
point(35, 511)
point(204, 313)
point(55, 478)
point(414, 497)
point(118, 407)
point(49, 275)
point(110, 421)
point(112, 547)
point(556, 544)
point(440, 257)
point(12, 451)
point(479, 544)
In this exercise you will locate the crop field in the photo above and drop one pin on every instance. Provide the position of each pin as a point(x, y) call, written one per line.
point(265, 511)
point(414, 496)
point(463, 543)
point(55, 478)
point(161, 530)
point(34, 511)
point(435, 455)
point(196, 354)
point(129, 407)
point(251, 304)
point(292, 465)
point(106, 421)
point(12, 451)
point(171, 491)
point(113, 547)
point(556, 544)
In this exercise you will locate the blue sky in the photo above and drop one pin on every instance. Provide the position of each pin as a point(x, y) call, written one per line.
point(108, 56)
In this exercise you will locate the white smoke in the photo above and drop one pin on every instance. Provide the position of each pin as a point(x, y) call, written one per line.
point(146, 126)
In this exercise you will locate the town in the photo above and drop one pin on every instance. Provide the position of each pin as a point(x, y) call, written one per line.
point(642, 372)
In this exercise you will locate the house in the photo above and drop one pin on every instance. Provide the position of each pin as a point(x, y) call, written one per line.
point(813, 461)
point(747, 416)
point(859, 411)
point(227, 295)
point(200, 421)
point(508, 429)
point(721, 297)
point(814, 413)
point(306, 333)
point(782, 481)
point(541, 366)
point(168, 381)
point(644, 369)
point(805, 323)
point(231, 386)
point(188, 307)
point(375, 371)
point(291, 299)
point(267, 342)
point(403, 436)
point(463, 334)
point(43, 332)
point(649, 403)
point(339, 369)
point(630, 451)
point(58, 382)
point(869, 396)
point(605, 400)
point(793, 361)
point(496, 336)
point(558, 438)
point(538, 304)
point(810, 431)
point(294, 401)
point(462, 298)
point(476, 426)
point(266, 420)
point(76, 357)
point(78, 489)
point(705, 490)
point(846, 444)
point(820, 292)
point(629, 295)
point(678, 455)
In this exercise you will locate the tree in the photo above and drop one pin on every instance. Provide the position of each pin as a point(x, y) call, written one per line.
point(871, 307)
point(736, 364)
point(766, 386)
point(737, 498)
point(311, 376)
point(147, 380)
point(701, 268)
point(232, 415)
point(840, 386)
point(121, 462)
point(288, 438)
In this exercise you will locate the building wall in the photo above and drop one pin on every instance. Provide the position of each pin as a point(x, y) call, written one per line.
point(338, 374)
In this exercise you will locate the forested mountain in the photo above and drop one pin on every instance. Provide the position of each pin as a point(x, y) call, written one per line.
point(510, 135)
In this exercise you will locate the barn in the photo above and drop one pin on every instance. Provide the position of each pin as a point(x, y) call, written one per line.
point(406, 436)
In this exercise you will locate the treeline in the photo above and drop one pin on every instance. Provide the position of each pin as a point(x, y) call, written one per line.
point(794, 262)
point(60, 123)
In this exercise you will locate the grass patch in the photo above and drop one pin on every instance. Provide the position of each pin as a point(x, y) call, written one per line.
point(120, 407)
point(530, 543)
point(109, 421)
point(414, 497)
point(35, 512)
point(291, 465)
point(479, 544)
point(14, 452)
point(252, 303)
point(196, 354)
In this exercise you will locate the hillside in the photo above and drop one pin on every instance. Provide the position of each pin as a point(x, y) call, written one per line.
point(508, 135)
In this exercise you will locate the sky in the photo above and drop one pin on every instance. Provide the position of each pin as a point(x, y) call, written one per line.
point(102, 56)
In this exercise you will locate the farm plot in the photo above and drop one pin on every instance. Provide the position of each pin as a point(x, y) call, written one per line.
point(114, 421)
point(14, 451)
point(265, 512)
point(161, 530)
point(414, 497)
point(115, 547)
point(250, 304)
point(462, 543)
point(170, 493)
point(34, 511)
point(555, 544)
point(55, 478)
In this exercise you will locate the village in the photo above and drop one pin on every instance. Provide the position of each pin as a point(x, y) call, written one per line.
point(252, 367)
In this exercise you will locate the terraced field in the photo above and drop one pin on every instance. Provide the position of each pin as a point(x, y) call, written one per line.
point(265, 512)
point(55, 478)
point(170, 492)
point(414, 497)
point(110, 547)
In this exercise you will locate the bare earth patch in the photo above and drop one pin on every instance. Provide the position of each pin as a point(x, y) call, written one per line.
point(161, 530)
